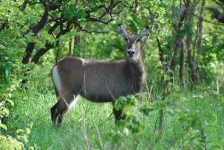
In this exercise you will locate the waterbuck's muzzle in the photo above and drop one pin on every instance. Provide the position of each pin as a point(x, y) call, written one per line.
point(131, 52)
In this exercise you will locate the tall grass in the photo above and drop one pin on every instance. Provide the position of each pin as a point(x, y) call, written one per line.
point(193, 120)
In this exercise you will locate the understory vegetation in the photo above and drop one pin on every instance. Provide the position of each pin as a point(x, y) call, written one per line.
point(192, 120)
point(180, 107)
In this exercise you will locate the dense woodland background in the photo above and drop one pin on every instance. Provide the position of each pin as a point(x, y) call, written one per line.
point(181, 106)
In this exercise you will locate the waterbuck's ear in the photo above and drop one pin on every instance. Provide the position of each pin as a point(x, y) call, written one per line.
point(144, 32)
point(121, 30)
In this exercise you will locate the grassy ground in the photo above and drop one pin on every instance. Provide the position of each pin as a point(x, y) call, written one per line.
point(80, 121)
point(193, 120)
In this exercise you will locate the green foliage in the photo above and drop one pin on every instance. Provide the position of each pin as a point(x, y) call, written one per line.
point(193, 118)
point(71, 11)
point(7, 142)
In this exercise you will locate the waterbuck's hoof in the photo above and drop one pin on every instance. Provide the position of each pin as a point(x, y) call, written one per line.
point(120, 118)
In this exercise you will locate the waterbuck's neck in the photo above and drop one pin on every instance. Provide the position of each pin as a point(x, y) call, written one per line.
point(136, 73)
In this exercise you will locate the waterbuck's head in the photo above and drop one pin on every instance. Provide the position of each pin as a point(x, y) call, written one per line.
point(133, 47)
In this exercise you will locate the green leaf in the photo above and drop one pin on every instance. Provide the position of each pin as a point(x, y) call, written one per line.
point(10, 101)
point(3, 126)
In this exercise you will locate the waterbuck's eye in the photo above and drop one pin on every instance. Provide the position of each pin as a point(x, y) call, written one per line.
point(138, 40)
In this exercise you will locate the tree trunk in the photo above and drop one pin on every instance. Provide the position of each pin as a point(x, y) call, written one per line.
point(192, 69)
point(70, 49)
point(76, 41)
point(181, 69)
point(41, 52)
point(36, 30)
point(28, 53)
point(57, 54)
point(177, 40)
point(200, 27)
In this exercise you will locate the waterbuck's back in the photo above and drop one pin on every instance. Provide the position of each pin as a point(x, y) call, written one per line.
point(99, 81)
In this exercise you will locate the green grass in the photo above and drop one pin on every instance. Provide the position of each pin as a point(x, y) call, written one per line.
point(36, 110)
point(189, 117)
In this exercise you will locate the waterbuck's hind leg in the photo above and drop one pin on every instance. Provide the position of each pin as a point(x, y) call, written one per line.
point(118, 114)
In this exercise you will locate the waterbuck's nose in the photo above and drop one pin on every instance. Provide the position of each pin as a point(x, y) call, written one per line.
point(131, 52)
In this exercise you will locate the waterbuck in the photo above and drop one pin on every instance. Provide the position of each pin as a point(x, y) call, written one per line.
point(97, 80)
